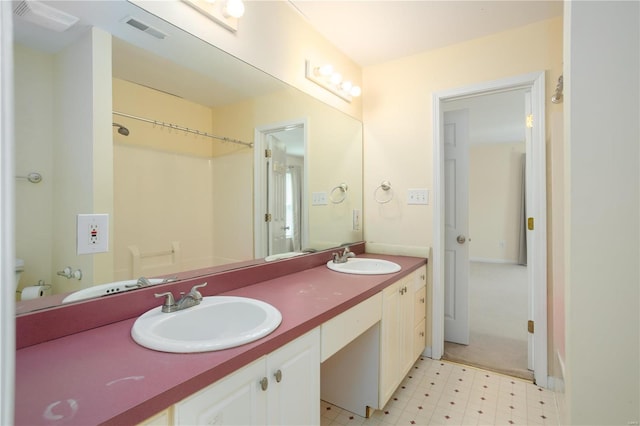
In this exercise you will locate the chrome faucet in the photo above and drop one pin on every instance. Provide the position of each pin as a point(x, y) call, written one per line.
point(188, 300)
point(342, 258)
point(144, 282)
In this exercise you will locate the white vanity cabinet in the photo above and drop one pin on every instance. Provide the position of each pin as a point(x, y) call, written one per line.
point(279, 389)
point(396, 336)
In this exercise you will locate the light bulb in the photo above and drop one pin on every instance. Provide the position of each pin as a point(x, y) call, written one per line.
point(346, 86)
point(336, 78)
point(234, 8)
point(355, 91)
point(324, 71)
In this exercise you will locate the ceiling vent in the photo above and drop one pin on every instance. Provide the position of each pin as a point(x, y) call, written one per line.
point(139, 25)
point(44, 15)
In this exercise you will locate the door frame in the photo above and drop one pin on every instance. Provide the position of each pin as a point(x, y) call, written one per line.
point(260, 203)
point(537, 274)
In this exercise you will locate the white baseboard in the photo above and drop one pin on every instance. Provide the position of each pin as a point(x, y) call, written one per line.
point(398, 250)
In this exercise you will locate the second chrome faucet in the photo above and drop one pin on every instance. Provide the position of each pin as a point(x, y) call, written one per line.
point(188, 300)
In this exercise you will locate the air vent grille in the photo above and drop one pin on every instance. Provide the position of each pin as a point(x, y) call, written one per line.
point(44, 15)
point(139, 25)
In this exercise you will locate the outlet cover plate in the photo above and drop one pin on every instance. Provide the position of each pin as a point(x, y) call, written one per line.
point(92, 233)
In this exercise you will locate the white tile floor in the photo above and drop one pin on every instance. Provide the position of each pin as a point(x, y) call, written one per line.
point(443, 393)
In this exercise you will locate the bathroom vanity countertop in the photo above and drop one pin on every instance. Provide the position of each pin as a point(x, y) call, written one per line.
point(101, 376)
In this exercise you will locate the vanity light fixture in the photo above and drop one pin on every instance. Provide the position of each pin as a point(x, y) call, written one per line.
point(223, 12)
point(326, 77)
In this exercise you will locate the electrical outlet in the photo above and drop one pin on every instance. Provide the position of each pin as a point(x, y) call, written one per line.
point(319, 199)
point(418, 196)
point(92, 233)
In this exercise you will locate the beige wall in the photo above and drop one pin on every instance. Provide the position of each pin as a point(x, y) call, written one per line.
point(34, 145)
point(495, 201)
point(397, 117)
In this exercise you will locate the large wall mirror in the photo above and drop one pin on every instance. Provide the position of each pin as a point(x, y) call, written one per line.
point(187, 149)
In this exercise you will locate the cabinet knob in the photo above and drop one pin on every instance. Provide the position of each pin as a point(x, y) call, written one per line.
point(422, 300)
point(278, 376)
point(264, 383)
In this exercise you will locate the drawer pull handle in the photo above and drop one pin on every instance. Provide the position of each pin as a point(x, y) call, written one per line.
point(278, 376)
point(264, 383)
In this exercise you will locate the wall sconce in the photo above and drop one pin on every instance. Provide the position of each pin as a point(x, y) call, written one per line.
point(224, 12)
point(325, 76)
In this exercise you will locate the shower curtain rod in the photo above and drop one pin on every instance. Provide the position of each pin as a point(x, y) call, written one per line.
point(184, 129)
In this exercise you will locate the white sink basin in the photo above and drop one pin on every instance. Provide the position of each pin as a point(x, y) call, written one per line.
point(364, 266)
point(218, 322)
point(107, 289)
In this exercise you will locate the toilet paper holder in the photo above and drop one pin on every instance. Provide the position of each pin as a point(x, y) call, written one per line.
point(41, 283)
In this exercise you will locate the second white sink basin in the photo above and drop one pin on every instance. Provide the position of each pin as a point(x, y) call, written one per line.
point(218, 322)
point(364, 266)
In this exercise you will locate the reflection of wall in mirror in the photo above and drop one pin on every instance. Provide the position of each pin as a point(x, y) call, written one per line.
point(169, 188)
point(334, 149)
point(58, 96)
point(495, 200)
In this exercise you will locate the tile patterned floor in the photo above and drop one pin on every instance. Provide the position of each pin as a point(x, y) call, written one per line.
point(444, 393)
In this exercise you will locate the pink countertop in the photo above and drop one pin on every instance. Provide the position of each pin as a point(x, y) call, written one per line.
point(101, 376)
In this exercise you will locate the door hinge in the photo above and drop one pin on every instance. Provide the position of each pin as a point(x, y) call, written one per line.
point(530, 326)
point(267, 153)
point(267, 217)
point(530, 224)
point(530, 121)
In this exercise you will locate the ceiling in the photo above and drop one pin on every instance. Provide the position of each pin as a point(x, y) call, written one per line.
point(373, 31)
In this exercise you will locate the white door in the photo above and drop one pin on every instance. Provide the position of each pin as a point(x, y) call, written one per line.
point(276, 195)
point(456, 245)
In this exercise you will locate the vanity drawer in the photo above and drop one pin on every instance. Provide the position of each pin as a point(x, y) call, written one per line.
point(342, 329)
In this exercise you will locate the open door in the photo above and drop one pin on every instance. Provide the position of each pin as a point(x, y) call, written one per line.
point(281, 223)
point(456, 223)
point(276, 195)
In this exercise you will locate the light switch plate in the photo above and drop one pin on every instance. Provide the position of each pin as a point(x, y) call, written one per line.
point(92, 233)
point(319, 199)
point(418, 196)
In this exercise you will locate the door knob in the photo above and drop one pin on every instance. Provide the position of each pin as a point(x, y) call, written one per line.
point(461, 239)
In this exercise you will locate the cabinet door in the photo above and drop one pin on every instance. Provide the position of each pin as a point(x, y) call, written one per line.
point(236, 399)
point(390, 342)
point(294, 382)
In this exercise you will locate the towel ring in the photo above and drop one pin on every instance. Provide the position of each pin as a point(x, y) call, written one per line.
point(385, 186)
point(341, 196)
